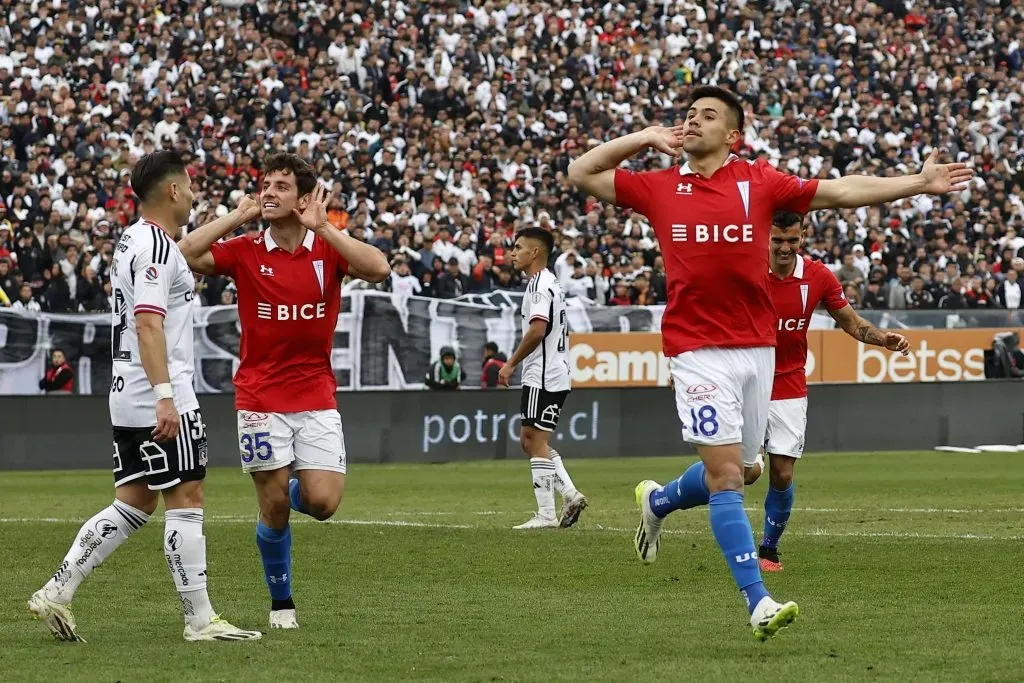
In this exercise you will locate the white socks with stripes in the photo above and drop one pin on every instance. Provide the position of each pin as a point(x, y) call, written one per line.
point(185, 550)
point(563, 483)
point(97, 539)
point(543, 471)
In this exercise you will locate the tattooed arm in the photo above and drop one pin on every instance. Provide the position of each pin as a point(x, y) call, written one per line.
point(863, 331)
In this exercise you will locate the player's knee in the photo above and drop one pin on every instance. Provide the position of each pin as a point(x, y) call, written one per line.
point(274, 511)
point(322, 509)
point(526, 441)
point(188, 494)
point(781, 471)
point(725, 477)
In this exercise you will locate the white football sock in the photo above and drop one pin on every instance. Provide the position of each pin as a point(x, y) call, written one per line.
point(543, 471)
point(96, 540)
point(185, 550)
point(563, 482)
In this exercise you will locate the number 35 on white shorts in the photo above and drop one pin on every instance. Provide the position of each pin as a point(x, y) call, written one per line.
point(308, 440)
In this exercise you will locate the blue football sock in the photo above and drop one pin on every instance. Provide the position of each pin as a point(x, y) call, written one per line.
point(731, 527)
point(777, 507)
point(294, 495)
point(688, 491)
point(275, 547)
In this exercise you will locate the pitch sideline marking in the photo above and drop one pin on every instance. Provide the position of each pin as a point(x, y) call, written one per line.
point(819, 532)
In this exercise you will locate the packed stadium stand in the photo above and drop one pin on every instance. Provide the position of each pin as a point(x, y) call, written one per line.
point(441, 128)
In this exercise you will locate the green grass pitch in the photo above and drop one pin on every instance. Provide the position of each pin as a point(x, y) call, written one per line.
point(906, 567)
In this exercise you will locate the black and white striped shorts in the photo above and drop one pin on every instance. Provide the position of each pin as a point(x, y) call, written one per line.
point(541, 409)
point(165, 464)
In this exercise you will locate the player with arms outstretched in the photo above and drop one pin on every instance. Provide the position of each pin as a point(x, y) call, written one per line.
point(289, 294)
point(712, 216)
point(798, 284)
point(544, 355)
point(159, 437)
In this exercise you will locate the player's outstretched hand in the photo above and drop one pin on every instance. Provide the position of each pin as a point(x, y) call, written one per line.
point(315, 214)
point(943, 178)
point(167, 421)
point(666, 140)
point(505, 375)
point(250, 208)
point(896, 342)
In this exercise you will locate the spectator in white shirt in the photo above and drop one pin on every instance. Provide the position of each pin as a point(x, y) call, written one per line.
point(580, 283)
point(25, 302)
point(69, 265)
point(1009, 292)
point(565, 266)
point(465, 253)
point(168, 127)
point(307, 134)
point(860, 261)
point(403, 282)
point(443, 245)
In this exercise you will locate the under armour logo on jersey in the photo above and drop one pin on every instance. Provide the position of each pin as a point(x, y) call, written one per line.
point(266, 270)
point(685, 189)
point(744, 187)
point(276, 579)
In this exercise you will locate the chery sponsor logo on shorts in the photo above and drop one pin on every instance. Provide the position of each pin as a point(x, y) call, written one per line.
point(251, 419)
point(700, 393)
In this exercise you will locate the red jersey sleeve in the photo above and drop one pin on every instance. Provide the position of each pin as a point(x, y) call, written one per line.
point(226, 255)
point(788, 192)
point(634, 190)
point(831, 291)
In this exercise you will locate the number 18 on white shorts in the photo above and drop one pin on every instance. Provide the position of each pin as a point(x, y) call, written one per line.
point(722, 396)
point(311, 440)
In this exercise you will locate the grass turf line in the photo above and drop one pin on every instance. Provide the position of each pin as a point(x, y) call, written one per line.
point(480, 602)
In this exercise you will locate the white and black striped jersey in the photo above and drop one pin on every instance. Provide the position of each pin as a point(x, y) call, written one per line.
point(548, 366)
point(149, 275)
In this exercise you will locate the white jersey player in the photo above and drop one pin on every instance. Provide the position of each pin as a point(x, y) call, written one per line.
point(149, 275)
point(544, 354)
point(159, 436)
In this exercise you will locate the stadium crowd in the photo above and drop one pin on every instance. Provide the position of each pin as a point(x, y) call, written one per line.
point(441, 128)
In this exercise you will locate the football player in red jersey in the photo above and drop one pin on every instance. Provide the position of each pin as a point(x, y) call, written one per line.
point(712, 216)
point(289, 294)
point(798, 284)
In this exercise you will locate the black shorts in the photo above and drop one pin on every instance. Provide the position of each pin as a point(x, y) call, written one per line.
point(165, 464)
point(541, 409)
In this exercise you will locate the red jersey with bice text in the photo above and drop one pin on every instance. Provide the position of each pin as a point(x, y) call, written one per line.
point(795, 299)
point(713, 233)
point(288, 305)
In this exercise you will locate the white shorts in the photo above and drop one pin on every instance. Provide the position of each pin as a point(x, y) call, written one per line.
point(311, 439)
point(722, 396)
point(787, 425)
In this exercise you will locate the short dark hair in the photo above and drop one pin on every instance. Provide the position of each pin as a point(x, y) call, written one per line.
point(786, 219)
point(152, 169)
point(722, 95)
point(305, 176)
point(491, 346)
point(541, 235)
